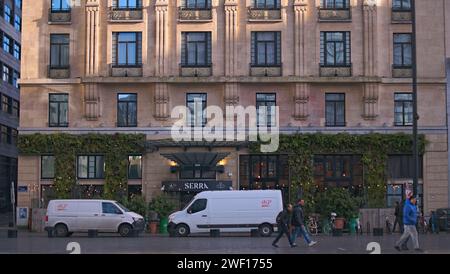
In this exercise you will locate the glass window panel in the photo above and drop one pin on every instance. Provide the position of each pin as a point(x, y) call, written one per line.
point(100, 167)
point(122, 54)
point(48, 167)
point(135, 167)
point(201, 54)
point(82, 167)
point(407, 55)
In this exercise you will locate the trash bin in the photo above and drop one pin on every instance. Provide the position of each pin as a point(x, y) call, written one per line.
point(163, 223)
point(352, 226)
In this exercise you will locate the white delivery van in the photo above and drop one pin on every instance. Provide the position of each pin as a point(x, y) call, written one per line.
point(228, 211)
point(68, 216)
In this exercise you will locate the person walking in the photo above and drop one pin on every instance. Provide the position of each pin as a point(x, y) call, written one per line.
point(398, 217)
point(298, 221)
point(409, 222)
point(283, 222)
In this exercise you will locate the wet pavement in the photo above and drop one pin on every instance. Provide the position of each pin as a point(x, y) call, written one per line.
point(38, 243)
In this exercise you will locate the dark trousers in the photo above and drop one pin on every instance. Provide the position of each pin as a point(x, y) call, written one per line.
point(283, 229)
point(398, 221)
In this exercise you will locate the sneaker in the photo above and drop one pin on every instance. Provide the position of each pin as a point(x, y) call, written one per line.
point(313, 243)
point(405, 248)
point(398, 248)
point(293, 245)
point(418, 250)
point(275, 245)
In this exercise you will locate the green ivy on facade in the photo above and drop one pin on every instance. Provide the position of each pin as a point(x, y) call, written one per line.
point(65, 147)
point(373, 148)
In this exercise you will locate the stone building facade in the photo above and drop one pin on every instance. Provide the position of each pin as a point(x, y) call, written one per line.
point(108, 67)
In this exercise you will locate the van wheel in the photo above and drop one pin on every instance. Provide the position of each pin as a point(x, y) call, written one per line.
point(182, 230)
point(61, 230)
point(125, 230)
point(265, 230)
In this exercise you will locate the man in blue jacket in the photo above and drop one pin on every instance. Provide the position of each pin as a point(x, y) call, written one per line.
point(409, 222)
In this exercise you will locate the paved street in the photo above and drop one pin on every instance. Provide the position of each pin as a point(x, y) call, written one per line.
point(147, 244)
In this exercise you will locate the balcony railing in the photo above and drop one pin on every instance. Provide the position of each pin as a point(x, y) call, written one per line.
point(401, 71)
point(326, 14)
point(195, 15)
point(266, 70)
point(59, 72)
point(125, 14)
point(337, 70)
point(255, 14)
point(120, 70)
point(401, 16)
point(60, 16)
point(187, 70)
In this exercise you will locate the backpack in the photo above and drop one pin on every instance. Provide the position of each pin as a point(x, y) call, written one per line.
point(280, 217)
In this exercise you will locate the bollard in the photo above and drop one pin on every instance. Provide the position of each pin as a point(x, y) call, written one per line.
point(254, 233)
point(214, 233)
point(377, 232)
point(50, 232)
point(92, 233)
point(12, 233)
point(337, 232)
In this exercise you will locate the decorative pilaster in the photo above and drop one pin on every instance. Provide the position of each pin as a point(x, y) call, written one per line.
point(91, 102)
point(161, 101)
point(231, 30)
point(300, 8)
point(301, 99)
point(369, 24)
point(162, 37)
point(371, 93)
point(231, 94)
point(92, 36)
point(370, 99)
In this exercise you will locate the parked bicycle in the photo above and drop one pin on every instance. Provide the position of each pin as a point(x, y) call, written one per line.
point(422, 224)
point(328, 225)
point(312, 225)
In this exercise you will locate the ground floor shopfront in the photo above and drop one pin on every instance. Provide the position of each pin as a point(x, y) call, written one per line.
point(184, 169)
point(8, 174)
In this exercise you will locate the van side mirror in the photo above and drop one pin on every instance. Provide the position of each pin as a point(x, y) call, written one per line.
point(189, 211)
point(119, 212)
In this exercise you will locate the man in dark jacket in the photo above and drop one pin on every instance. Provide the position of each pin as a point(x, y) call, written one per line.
point(283, 221)
point(298, 221)
point(410, 222)
point(398, 217)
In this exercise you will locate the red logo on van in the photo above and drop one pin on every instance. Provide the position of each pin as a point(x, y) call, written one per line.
point(266, 203)
point(61, 207)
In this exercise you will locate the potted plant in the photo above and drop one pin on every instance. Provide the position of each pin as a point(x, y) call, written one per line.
point(163, 206)
point(339, 201)
point(136, 203)
point(154, 222)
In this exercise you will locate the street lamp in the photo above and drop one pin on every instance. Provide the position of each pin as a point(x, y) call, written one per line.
point(414, 95)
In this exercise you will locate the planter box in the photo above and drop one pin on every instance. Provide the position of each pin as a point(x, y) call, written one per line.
point(264, 14)
point(199, 15)
point(196, 71)
point(402, 72)
point(265, 71)
point(377, 232)
point(334, 15)
point(335, 71)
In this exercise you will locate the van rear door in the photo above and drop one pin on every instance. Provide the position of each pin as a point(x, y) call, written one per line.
point(198, 214)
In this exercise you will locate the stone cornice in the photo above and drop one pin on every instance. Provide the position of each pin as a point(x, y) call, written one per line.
point(223, 79)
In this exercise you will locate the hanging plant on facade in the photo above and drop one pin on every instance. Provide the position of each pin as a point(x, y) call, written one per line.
point(374, 149)
point(66, 147)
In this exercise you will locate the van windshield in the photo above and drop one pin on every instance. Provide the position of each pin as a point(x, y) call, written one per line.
point(122, 207)
point(188, 204)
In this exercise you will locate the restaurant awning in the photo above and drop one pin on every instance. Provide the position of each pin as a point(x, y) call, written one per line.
point(209, 159)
